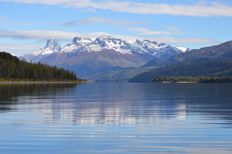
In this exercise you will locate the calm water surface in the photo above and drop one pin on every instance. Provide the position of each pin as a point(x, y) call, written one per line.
point(116, 118)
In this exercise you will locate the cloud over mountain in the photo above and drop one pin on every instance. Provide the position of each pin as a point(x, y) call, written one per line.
point(197, 9)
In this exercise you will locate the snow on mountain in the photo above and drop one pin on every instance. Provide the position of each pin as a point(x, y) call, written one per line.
point(50, 47)
point(155, 48)
point(91, 57)
point(183, 49)
point(80, 44)
point(98, 44)
point(144, 50)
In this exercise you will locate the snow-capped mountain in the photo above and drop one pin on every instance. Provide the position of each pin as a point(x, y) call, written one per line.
point(183, 49)
point(97, 44)
point(50, 47)
point(118, 45)
point(90, 56)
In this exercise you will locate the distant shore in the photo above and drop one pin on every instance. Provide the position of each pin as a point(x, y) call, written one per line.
point(193, 79)
point(3, 82)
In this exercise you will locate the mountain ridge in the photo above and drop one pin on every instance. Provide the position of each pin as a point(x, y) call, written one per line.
point(208, 61)
point(108, 42)
point(90, 56)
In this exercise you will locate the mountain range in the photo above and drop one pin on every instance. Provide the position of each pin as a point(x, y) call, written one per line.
point(107, 58)
point(214, 61)
point(103, 57)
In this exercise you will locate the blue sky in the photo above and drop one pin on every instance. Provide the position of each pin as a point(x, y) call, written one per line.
point(26, 24)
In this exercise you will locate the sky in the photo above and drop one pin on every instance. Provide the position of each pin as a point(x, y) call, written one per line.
point(25, 25)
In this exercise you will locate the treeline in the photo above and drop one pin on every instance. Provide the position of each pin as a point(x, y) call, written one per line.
point(194, 79)
point(11, 68)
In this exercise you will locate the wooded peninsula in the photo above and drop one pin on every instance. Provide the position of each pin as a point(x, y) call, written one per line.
point(12, 69)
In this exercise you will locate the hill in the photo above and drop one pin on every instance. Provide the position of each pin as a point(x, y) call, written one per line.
point(214, 61)
point(12, 68)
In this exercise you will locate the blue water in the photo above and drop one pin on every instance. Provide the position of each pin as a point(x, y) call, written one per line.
point(107, 118)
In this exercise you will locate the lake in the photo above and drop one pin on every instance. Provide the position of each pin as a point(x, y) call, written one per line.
point(112, 118)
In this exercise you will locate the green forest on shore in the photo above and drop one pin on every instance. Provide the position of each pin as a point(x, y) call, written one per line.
point(14, 69)
point(194, 79)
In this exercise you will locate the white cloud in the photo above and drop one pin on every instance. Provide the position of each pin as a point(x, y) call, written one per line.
point(197, 9)
point(42, 35)
point(19, 49)
point(96, 20)
point(46, 34)
point(146, 31)
point(63, 35)
point(37, 34)
point(173, 40)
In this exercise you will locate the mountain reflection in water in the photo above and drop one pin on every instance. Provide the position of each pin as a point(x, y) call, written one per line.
point(119, 103)
point(112, 118)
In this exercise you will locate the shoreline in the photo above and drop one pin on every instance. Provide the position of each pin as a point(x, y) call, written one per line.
point(41, 82)
point(193, 80)
point(183, 82)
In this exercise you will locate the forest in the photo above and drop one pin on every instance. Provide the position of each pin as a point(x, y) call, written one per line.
point(12, 68)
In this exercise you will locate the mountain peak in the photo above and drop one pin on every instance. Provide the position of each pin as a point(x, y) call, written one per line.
point(81, 40)
point(106, 42)
point(183, 49)
point(52, 44)
point(50, 47)
point(107, 38)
